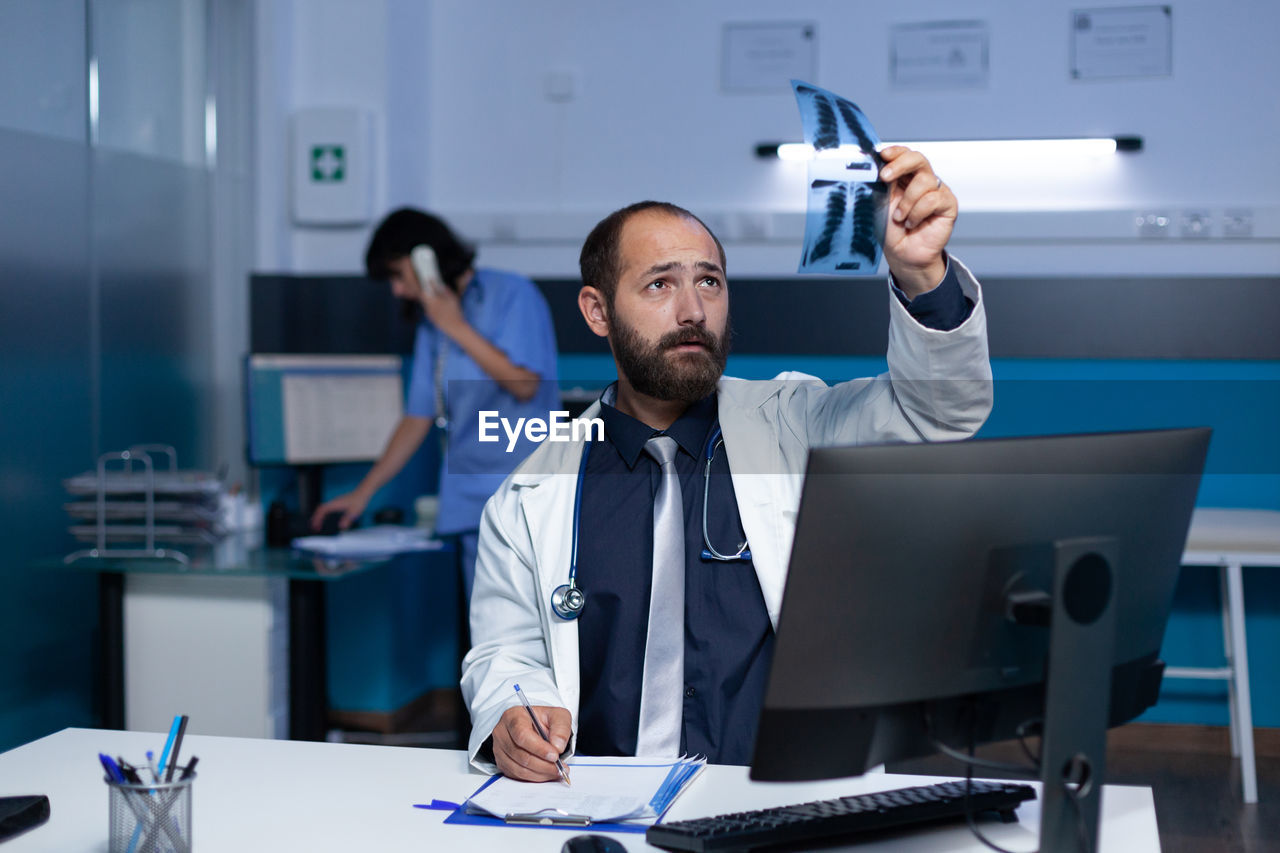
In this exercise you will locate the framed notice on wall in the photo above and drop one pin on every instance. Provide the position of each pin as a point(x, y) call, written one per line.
point(1133, 41)
point(940, 55)
point(766, 57)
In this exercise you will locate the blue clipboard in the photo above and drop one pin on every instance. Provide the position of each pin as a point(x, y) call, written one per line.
point(680, 774)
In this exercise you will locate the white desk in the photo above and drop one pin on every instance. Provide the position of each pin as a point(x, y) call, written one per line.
point(296, 795)
point(1232, 539)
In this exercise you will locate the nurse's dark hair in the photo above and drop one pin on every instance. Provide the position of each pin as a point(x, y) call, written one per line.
point(601, 260)
point(402, 229)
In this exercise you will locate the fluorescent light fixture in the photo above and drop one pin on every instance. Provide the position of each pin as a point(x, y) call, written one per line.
point(210, 132)
point(93, 100)
point(977, 148)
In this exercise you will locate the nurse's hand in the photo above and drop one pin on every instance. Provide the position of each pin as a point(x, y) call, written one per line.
point(443, 309)
point(351, 505)
point(922, 213)
point(521, 753)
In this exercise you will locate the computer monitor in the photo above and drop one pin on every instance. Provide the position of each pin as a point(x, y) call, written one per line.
point(308, 411)
point(954, 593)
point(319, 409)
point(338, 314)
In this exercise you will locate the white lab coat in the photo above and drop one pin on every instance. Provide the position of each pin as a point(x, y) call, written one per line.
point(938, 387)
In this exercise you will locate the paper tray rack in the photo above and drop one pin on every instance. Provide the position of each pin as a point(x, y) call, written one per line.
point(133, 506)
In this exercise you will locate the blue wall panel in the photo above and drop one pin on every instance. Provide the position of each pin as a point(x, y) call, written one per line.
point(47, 620)
point(393, 633)
point(104, 342)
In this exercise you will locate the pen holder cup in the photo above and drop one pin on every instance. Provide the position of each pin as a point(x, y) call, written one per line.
point(150, 818)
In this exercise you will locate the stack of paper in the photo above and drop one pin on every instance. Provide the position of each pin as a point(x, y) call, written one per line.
point(605, 790)
point(384, 540)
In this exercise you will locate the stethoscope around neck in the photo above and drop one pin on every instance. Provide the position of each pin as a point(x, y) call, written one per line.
point(568, 599)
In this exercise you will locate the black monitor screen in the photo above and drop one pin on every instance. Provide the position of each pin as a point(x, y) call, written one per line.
point(328, 314)
point(895, 630)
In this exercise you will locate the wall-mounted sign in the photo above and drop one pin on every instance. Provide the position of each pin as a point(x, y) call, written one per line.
point(332, 168)
point(1135, 41)
point(766, 57)
point(940, 55)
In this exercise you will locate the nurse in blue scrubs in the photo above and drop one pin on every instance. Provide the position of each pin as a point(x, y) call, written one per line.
point(485, 343)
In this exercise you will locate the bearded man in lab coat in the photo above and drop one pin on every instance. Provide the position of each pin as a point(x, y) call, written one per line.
point(654, 285)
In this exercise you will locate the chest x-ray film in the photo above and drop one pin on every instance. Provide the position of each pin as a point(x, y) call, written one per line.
point(848, 205)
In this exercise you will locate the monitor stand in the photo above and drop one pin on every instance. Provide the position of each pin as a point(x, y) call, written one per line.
point(310, 490)
point(284, 525)
point(1080, 616)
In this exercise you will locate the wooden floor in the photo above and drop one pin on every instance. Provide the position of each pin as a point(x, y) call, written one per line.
point(1195, 782)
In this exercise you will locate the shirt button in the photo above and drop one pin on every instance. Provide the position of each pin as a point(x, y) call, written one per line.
point(690, 692)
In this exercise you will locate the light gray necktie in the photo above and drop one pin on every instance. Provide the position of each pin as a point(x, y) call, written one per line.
point(661, 693)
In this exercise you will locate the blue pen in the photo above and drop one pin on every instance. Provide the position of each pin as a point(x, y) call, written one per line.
point(117, 775)
point(114, 773)
point(178, 722)
point(177, 747)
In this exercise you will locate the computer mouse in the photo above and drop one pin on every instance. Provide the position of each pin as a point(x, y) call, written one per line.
point(389, 515)
point(592, 844)
point(329, 524)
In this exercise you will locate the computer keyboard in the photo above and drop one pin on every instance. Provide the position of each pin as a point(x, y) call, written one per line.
point(825, 819)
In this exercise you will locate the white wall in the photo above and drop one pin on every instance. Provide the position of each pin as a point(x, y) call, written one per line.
point(466, 128)
point(52, 97)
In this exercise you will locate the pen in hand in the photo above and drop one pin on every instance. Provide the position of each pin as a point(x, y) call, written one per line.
point(564, 773)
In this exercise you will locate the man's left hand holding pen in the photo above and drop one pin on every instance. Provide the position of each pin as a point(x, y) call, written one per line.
point(521, 753)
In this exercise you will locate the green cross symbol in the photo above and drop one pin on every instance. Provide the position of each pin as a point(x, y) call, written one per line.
point(328, 163)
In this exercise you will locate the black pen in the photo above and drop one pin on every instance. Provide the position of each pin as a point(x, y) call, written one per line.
point(177, 745)
point(190, 769)
point(130, 772)
point(564, 774)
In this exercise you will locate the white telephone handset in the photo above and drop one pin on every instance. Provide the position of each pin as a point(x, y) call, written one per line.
point(424, 264)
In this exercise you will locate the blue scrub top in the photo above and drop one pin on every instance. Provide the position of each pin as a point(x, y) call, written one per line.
point(510, 312)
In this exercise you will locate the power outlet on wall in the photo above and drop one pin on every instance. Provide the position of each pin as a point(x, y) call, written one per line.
point(1154, 224)
point(1196, 225)
point(1237, 223)
point(753, 227)
point(504, 229)
point(561, 85)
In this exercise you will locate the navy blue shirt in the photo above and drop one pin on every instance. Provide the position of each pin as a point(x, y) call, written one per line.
point(728, 641)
